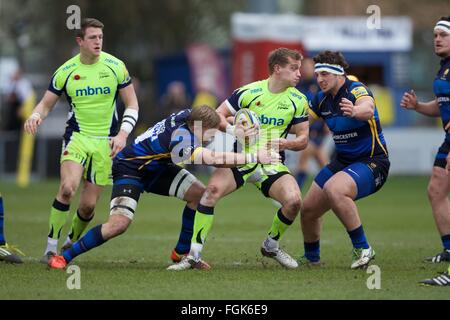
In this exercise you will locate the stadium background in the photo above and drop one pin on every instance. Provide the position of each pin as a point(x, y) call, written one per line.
point(210, 48)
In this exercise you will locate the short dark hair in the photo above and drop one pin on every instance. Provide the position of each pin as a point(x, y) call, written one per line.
point(331, 57)
point(208, 116)
point(445, 18)
point(86, 23)
point(280, 56)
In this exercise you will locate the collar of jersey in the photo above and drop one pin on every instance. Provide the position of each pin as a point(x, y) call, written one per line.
point(445, 60)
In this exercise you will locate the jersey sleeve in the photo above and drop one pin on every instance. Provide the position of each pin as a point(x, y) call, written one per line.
point(236, 100)
point(301, 111)
point(314, 107)
point(359, 91)
point(58, 82)
point(123, 77)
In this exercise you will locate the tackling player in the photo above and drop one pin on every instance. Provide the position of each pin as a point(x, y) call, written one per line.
point(360, 167)
point(439, 185)
point(91, 81)
point(150, 165)
point(281, 109)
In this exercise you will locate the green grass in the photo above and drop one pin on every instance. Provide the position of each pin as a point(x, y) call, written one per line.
point(397, 220)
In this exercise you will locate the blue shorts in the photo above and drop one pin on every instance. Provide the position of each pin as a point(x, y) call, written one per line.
point(369, 174)
point(441, 157)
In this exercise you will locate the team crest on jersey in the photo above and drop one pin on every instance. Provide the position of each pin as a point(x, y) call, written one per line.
point(359, 92)
point(283, 106)
point(103, 74)
point(78, 77)
point(444, 75)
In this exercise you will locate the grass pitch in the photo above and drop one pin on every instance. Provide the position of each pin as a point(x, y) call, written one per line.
point(397, 221)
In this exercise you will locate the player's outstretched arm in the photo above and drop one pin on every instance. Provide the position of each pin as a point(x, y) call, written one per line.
point(301, 130)
point(230, 159)
point(129, 119)
point(40, 112)
point(410, 101)
point(224, 113)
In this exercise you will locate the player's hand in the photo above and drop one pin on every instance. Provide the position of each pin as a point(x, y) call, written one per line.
point(409, 100)
point(347, 107)
point(32, 123)
point(243, 134)
point(269, 156)
point(278, 144)
point(118, 142)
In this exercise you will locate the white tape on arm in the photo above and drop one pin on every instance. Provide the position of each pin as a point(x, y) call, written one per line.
point(129, 120)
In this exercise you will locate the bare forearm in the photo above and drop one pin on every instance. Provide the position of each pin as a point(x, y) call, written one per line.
point(429, 108)
point(225, 159)
point(297, 144)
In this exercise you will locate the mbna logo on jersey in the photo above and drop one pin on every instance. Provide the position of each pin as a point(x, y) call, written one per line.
point(88, 91)
point(272, 121)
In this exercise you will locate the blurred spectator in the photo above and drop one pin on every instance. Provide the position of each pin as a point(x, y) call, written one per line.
point(19, 94)
point(175, 99)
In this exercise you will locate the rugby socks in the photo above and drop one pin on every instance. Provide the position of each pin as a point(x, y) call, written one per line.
point(58, 216)
point(279, 226)
point(301, 178)
point(79, 224)
point(204, 217)
point(445, 241)
point(184, 242)
point(358, 238)
point(312, 251)
point(2, 235)
point(93, 238)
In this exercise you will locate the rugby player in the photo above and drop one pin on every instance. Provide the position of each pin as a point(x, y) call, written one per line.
point(439, 185)
point(90, 81)
point(361, 163)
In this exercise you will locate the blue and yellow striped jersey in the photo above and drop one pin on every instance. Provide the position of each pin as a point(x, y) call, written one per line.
point(441, 88)
point(168, 140)
point(353, 138)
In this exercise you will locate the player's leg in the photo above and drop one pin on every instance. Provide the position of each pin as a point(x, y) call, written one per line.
point(71, 173)
point(192, 197)
point(97, 174)
point(89, 196)
point(438, 189)
point(8, 253)
point(124, 199)
point(321, 157)
point(356, 181)
point(302, 173)
point(221, 183)
point(283, 188)
point(313, 208)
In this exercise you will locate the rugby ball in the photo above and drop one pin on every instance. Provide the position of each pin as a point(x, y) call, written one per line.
point(247, 118)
